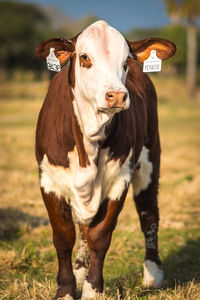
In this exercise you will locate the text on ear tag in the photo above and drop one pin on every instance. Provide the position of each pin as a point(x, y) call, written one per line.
point(152, 63)
point(53, 63)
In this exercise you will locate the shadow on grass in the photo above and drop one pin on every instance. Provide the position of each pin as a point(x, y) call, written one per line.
point(14, 222)
point(180, 267)
point(183, 265)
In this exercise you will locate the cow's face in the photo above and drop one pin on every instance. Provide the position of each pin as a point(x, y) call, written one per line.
point(101, 68)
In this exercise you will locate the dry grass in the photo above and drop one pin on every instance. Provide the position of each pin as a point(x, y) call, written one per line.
point(27, 257)
point(21, 289)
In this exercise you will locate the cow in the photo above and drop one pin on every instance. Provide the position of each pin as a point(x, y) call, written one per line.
point(97, 133)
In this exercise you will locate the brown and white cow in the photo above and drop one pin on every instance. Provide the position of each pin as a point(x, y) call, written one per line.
point(97, 133)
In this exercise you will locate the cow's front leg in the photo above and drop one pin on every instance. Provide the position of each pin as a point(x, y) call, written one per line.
point(64, 239)
point(99, 237)
point(153, 273)
point(147, 207)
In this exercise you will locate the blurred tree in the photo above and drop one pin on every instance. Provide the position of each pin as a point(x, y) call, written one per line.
point(175, 33)
point(142, 33)
point(22, 27)
point(71, 27)
point(187, 11)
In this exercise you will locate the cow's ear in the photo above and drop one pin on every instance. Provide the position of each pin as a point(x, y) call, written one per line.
point(142, 49)
point(64, 49)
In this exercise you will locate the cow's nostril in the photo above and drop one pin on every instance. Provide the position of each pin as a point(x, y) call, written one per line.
point(109, 95)
point(125, 97)
point(116, 98)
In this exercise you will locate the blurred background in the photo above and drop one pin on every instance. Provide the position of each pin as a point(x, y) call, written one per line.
point(24, 24)
point(27, 257)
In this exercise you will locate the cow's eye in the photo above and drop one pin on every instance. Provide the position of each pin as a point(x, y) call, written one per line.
point(85, 61)
point(84, 56)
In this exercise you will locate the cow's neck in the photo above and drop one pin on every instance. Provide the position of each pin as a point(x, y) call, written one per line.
point(87, 176)
point(92, 126)
point(86, 121)
point(91, 121)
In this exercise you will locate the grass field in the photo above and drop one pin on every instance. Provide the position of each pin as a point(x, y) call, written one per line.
point(28, 261)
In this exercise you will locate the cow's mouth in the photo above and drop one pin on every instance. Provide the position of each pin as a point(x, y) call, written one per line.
point(110, 110)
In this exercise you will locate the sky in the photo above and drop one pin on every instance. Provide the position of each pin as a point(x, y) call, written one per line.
point(121, 14)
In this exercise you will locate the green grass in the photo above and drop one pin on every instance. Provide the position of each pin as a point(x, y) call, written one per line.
point(28, 260)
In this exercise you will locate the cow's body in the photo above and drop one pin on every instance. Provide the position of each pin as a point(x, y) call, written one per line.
point(87, 161)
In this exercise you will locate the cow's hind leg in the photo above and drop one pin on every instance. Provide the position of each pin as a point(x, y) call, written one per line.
point(64, 239)
point(82, 260)
point(145, 186)
point(99, 237)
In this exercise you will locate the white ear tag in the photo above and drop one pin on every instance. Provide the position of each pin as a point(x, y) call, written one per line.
point(152, 63)
point(53, 63)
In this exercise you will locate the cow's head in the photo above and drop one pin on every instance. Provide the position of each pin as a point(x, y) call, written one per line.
point(100, 56)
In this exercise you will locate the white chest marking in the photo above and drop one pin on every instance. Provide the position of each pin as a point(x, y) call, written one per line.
point(86, 188)
point(116, 178)
point(142, 176)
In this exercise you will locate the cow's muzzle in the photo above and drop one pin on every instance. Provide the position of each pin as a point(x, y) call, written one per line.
point(116, 99)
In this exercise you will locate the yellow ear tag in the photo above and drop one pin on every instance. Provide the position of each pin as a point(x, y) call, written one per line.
point(152, 63)
point(53, 63)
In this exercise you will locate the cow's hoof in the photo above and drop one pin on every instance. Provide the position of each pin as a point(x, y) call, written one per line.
point(80, 277)
point(63, 294)
point(67, 297)
point(153, 275)
point(88, 292)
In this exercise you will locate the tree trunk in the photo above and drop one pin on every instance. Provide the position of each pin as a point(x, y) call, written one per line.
point(191, 59)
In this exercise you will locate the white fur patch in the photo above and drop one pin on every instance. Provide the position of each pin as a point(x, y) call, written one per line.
point(85, 188)
point(151, 239)
point(80, 275)
point(67, 297)
point(75, 184)
point(153, 275)
point(142, 176)
point(83, 251)
point(83, 257)
point(116, 178)
point(57, 179)
point(108, 51)
point(88, 291)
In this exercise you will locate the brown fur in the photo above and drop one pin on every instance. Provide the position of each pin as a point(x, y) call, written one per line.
point(58, 131)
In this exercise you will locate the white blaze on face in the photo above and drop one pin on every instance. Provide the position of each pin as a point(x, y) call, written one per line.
point(107, 51)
